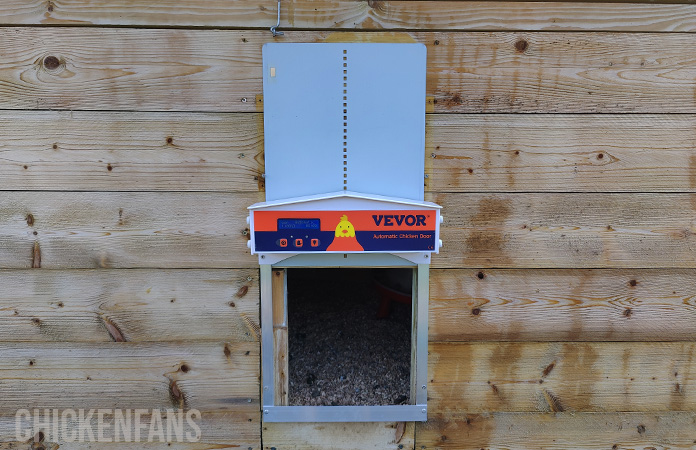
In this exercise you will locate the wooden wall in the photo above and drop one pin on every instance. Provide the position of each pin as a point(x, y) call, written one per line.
point(560, 141)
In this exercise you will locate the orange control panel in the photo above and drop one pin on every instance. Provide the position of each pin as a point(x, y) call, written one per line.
point(345, 231)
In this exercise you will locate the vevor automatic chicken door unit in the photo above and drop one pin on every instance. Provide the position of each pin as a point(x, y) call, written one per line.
point(344, 129)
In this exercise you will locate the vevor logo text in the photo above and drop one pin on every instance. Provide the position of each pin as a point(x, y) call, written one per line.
point(389, 220)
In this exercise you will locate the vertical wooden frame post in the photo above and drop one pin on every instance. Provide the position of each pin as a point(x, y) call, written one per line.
point(267, 346)
point(280, 336)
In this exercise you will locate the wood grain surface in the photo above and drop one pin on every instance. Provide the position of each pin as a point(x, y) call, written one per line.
point(216, 70)
point(142, 305)
point(563, 305)
point(339, 436)
point(560, 153)
point(105, 151)
point(559, 431)
point(125, 230)
point(204, 376)
point(358, 15)
point(566, 230)
point(560, 376)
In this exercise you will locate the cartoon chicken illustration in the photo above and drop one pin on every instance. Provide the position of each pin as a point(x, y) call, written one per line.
point(345, 240)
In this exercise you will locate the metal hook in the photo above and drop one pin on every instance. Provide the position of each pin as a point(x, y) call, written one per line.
point(273, 28)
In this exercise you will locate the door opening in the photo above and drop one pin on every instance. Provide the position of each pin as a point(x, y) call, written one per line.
point(344, 343)
point(349, 336)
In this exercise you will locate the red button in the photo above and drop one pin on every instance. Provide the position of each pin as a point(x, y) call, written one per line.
point(298, 242)
point(315, 242)
point(283, 242)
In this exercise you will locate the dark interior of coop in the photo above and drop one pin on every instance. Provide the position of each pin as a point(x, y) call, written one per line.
point(349, 333)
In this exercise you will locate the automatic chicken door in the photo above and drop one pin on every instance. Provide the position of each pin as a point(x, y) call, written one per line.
point(344, 129)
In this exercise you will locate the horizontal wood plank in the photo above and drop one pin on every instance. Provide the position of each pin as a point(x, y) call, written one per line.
point(567, 230)
point(339, 436)
point(358, 15)
point(208, 230)
point(558, 72)
point(101, 151)
point(211, 376)
point(125, 230)
point(218, 430)
point(550, 72)
point(561, 431)
point(60, 150)
point(556, 377)
point(137, 305)
point(563, 305)
point(560, 153)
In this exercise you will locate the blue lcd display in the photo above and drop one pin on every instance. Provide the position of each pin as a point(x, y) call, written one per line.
point(299, 224)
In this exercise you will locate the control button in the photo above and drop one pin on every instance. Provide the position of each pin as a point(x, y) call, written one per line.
point(283, 242)
point(315, 242)
point(298, 243)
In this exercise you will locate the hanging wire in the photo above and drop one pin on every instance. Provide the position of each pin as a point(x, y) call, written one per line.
point(274, 28)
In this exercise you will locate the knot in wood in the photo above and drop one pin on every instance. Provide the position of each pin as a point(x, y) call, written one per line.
point(51, 62)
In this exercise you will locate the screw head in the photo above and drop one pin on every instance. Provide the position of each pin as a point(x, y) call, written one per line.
point(265, 388)
point(265, 411)
point(424, 410)
point(423, 387)
point(244, 100)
